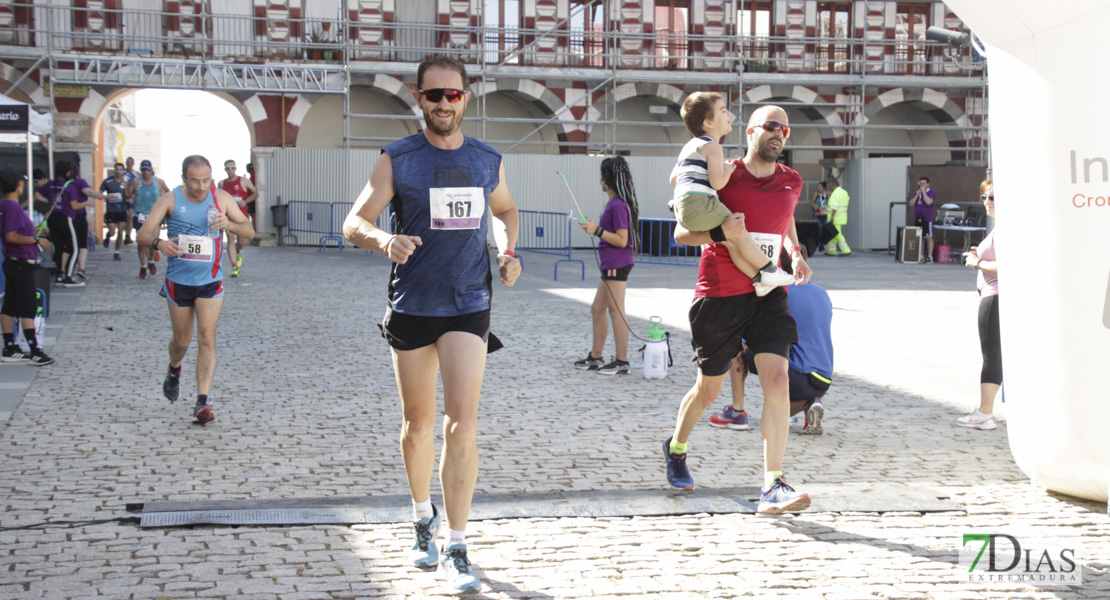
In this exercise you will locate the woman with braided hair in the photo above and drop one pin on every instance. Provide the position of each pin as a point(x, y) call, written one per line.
point(619, 238)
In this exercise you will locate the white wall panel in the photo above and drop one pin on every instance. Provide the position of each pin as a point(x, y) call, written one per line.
point(316, 175)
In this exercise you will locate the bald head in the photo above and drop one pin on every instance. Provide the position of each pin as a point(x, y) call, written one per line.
point(768, 130)
point(766, 113)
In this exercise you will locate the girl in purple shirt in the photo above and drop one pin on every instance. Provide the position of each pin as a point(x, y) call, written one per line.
point(618, 230)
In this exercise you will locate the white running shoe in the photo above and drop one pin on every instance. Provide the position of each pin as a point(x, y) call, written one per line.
point(977, 420)
point(768, 281)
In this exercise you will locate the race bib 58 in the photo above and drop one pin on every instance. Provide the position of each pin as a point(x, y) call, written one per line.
point(197, 247)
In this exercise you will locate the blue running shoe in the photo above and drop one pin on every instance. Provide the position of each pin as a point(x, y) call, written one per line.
point(424, 553)
point(782, 498)
point(456, 566)
point(677, 473)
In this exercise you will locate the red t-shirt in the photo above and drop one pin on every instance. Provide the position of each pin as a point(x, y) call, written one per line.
point(768, 205)
point(235, 188)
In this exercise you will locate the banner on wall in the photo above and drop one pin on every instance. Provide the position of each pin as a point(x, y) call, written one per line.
point(1050, 182)
point(140, 144)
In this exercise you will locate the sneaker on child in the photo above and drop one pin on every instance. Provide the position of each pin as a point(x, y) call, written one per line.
point(766, 281)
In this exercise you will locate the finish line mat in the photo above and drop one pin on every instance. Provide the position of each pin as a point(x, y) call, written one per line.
point(351, 510)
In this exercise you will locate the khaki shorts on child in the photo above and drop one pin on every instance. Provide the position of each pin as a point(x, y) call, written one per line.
point(699, 212)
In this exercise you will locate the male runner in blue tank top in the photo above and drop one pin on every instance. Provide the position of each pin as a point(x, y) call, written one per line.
point(142, 192)
point(194, 285)
point(441, 184)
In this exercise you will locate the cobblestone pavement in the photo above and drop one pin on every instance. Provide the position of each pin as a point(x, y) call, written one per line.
point(307, 407)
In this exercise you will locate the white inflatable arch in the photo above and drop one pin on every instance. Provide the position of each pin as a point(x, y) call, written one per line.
point(1050, 139)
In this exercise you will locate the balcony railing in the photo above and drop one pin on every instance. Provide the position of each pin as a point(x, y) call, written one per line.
point(247, 38)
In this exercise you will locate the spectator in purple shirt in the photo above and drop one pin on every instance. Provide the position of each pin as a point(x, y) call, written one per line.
point(923, 200)
point(64, 198)
point(618, 230)
point(20, 251)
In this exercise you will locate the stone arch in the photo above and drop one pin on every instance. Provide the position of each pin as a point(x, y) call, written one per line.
point(96, 105)
point(540, 96)
point(370, 94)
point(833, 132)
point(670, 94)
point(28, 88)
point(944, 110)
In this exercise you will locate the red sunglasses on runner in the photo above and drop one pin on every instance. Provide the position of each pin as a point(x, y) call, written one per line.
point(773, 126)
point(436, 94)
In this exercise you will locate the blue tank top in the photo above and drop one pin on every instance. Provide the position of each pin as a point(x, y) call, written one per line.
point(443, 197)
point(191, 219)
point(146, 194)
point(812, 310)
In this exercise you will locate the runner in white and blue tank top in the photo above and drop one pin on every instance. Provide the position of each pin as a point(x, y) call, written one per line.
point(196, 215)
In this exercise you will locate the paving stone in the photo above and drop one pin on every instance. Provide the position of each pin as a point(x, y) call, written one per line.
point(307, 407)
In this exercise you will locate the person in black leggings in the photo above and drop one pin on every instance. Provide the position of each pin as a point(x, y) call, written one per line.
point(982, 258)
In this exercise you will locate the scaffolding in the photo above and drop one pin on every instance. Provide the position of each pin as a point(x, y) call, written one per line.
point(241, 53)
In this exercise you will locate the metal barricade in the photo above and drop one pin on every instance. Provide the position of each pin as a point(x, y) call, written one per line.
point(547, 233)
point(311, 219)
point(657, 245)
point(339, 211)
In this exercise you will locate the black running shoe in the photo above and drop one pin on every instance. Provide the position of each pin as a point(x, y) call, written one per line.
point(13, 354)
point(617, 367)
point(40, 359)
point(589, 363)
point(171, 386)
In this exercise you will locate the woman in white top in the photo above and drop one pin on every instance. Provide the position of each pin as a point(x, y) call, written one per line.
point(982, 258)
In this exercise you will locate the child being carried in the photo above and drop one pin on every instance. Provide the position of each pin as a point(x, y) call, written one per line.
point(701, 170)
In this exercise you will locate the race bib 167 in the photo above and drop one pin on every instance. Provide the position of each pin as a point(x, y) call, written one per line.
point(457, 208)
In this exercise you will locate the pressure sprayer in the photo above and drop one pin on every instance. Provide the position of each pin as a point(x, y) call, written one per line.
point(657, 351)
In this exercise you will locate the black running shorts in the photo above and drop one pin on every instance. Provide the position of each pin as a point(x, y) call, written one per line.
point(720, 326)
point(925, 225)
point(801, 388)
point(180, 294)
point(620, 274)
point(409, 332)
point(19, 289)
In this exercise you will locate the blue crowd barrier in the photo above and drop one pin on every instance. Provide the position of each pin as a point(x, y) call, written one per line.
point(657, 245)
point(339, 211)
point(325, 221)
point(311, 218)
point(547, 233)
